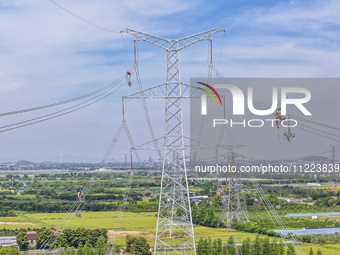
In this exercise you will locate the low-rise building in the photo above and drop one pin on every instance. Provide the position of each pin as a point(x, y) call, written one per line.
point(32, 238)
point(8, 241)
point(256, 202)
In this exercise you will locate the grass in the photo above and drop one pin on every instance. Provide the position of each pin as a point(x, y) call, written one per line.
point(130, 222)
point(22, 197)
point(16, 223)
point(13, 219)
point(327, 249)
point(142, 224)
point(330, 218)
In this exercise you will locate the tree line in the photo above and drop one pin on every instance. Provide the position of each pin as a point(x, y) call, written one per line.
point(319, 238)
point(258, 246)
point(59, 207)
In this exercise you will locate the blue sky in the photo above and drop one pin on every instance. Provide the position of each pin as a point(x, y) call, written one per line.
point(48, 55)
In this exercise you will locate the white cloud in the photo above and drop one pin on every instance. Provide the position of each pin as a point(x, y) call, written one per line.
point(48, 55)
point(7, 84)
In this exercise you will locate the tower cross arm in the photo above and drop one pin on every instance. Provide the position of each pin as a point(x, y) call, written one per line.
point(168, 44)
point(192, 39)
point(155, 40)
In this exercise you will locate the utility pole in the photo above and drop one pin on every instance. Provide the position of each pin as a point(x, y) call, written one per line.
point(61, 157)
point(125, 158)
point(333, 153)
point(174, 232)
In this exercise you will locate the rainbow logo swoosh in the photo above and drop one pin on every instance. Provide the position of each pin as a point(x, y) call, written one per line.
point(209, 93)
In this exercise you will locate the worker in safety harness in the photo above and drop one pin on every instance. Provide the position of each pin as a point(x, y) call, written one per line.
point(80, 195)
point(279, 118)
point(128, 78)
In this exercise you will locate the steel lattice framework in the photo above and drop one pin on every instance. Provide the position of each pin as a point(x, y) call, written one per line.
point(174, 233)
point(234, 207)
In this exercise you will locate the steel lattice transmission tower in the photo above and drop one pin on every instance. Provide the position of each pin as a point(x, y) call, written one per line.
point(174, 231)
point(234, 207)
point(333, 153)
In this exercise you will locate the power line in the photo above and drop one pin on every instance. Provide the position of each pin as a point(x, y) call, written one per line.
point(325, 132)
point(303, 119)
point(62, 102)
point(221, 51)
point(51, 240)
point(321, 133)
point(317, 123)
point(257, 15)
point(61, 112)
point(126, 52)
point(115, 32)
point(318, 134)
point(78, 17)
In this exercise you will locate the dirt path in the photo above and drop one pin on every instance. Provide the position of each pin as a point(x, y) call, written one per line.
point(145, 233)
point(16, 223)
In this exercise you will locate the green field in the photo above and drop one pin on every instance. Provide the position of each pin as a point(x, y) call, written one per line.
point(17, 222)
point(142, 224)
point(131, 221)
point(327, 249)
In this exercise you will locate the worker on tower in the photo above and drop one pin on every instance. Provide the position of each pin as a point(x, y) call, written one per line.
point(80, 194)
point(128, 77)
point(279, 118)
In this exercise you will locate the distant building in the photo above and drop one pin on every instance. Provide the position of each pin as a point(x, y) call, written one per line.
point(199, 197)
point(151, 193)
point(313, 185)
point(256, 202)
point(32, 238)
point(8, 241)
point(55, 232)
point(196, 200)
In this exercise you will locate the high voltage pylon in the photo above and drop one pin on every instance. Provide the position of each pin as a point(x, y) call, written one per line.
point(234, 207)
point(174, 233)
point(333, 153)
